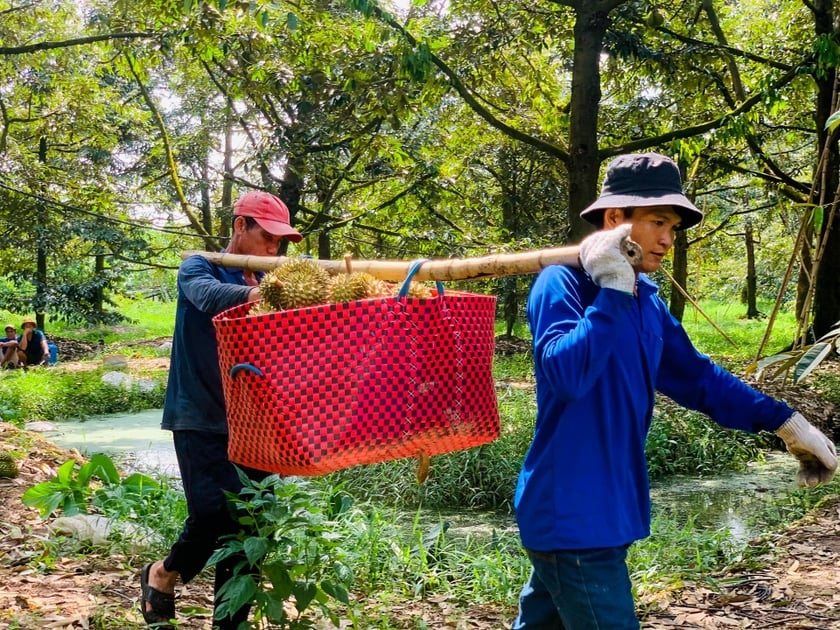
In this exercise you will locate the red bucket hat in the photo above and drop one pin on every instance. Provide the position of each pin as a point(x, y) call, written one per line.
point(638, 180)
point(270, 213)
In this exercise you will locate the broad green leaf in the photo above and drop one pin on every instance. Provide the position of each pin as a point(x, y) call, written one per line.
point(762, 364)
point(817, 218)
point(44, 497)
point(833, 121)
point(255, 549)
point(811, 359)
point(336, 591)
point(304, 594)
point(280, 579)
point(64, 475)
point(237, 591)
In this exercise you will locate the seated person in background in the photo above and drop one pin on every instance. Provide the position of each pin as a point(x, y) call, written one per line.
point(9, 348)
point(32, 344)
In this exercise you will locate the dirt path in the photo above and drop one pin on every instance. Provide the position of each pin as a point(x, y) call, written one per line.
point(798, 588)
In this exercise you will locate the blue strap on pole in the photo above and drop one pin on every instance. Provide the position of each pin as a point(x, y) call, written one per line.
point(412, 270)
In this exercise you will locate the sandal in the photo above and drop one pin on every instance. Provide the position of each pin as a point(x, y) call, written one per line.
point(162, 610)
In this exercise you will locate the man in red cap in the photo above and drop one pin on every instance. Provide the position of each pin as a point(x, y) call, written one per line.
point(604, 344)
point(194, 408)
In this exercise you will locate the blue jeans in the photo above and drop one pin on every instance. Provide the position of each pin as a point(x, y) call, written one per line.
point(586, 589)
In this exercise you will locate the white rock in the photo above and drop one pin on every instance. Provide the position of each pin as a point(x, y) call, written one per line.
point(118, 379)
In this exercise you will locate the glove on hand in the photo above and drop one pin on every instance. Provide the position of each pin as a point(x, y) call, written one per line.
point(601, 257)
point(815, 452)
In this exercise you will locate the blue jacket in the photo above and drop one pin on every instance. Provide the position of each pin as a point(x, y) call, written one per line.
point(599, 356)
point(194, 396)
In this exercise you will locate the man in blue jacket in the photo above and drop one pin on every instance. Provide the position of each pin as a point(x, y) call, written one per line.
point(604, 343)
point(194, 408)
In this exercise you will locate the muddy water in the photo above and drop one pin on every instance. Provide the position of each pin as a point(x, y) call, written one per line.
point(739, 502)
point(135, 441)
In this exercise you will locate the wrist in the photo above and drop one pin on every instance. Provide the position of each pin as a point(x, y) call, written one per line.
point(794, 428)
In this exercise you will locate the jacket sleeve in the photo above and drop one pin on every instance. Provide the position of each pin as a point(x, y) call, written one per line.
point(694, 381)
point(574, 334)
point(202, 287)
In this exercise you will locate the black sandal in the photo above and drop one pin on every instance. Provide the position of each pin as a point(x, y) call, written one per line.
point(162, 604)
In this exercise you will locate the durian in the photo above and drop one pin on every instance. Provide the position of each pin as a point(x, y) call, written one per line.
point(296, 283)
point(260, 308)
point(417, 290)
point(346, 287)
point(8, 467)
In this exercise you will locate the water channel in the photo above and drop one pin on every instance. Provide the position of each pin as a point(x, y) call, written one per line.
point(738, 502)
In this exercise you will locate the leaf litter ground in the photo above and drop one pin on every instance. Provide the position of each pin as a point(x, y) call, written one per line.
point(797, 586)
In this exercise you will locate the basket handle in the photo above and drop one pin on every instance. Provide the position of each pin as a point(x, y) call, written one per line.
point(245, 366)
point(413, 269)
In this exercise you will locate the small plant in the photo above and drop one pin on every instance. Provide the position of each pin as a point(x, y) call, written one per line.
point(290, 542)
point(70, 489)
point(73, 489)
point(802, 361)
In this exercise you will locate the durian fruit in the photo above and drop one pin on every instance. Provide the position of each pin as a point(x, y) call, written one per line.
point(380, 288)
point(346, 287)
point(297, 283)
point(8, 467)
point(417, 290)
point(260, 308)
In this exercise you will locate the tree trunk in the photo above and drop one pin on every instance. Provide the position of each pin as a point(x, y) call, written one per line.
point(99, 292)
point(749, 241)
point(680, 273)
point(584, 162)
point(290, 192)
point(227, 182)
point(826, 295)
point(41, 254)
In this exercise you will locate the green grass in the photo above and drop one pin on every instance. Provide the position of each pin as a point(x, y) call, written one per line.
point(54, 394)
point(146, 319)
point(746, 334)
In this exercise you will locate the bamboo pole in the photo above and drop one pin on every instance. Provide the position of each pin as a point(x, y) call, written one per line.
point(492, 266)
point(495, 265)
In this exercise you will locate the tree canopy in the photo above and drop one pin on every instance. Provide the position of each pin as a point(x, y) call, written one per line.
point(418, 129)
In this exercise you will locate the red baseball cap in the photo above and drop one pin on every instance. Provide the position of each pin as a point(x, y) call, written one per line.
point(269, 212)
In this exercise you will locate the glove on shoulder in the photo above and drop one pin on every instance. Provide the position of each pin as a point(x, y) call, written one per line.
point(601, 257)
point(816, 453)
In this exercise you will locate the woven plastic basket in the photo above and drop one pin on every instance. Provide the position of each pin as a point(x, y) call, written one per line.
point(314, 390)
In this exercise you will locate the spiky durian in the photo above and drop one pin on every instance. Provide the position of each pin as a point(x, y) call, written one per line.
point(417, 290)
point(8, 467)
point(380, 288)
point(297, 283)
point(346, 287)
point(260, 308)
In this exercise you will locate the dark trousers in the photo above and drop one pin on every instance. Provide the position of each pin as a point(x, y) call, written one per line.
point(206, 473)
point(588, 589)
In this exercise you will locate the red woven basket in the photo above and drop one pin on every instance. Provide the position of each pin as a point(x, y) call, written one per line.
point(314, 390)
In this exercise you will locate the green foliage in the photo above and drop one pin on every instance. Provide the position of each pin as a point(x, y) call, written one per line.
point(803, 361)
point(687, 442)
point(288, 538)
point(480, 478)
point(70, 490)
point(54, 394)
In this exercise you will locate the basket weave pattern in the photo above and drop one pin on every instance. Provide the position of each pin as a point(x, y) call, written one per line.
point(313, 390)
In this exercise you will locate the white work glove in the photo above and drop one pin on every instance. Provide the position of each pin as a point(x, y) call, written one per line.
point(815, 452)
point(602, 258)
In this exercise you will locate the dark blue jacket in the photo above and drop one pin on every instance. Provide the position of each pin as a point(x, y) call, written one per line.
point(194, 396)
point(599, 357)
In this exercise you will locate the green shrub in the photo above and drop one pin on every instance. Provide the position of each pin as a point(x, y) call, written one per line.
point(686, 442)
point(55, 395)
